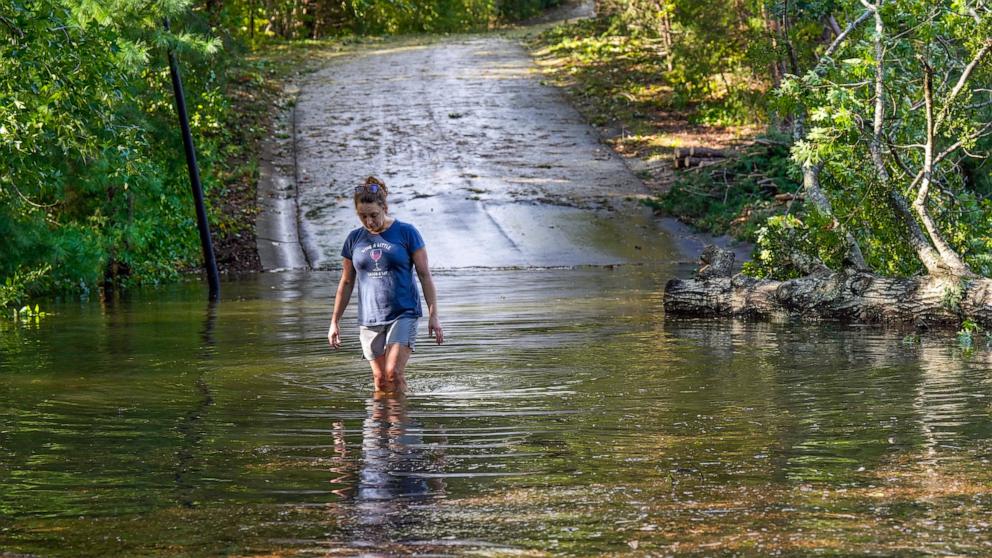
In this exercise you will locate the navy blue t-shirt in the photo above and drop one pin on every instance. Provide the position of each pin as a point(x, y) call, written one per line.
point(384, 264)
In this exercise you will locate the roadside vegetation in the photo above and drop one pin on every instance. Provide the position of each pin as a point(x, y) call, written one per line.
point(653, 100)
point(858, 132)
point(94, 192)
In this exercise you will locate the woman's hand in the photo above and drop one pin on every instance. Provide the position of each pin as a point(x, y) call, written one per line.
point(334, 336)
point(434, 329)
point(430, 294)
point(341, 298)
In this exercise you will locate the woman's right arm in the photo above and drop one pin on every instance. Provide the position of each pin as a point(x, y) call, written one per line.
point(341, 299)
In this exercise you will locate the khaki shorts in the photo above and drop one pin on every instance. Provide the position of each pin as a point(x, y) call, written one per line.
point(375, 339)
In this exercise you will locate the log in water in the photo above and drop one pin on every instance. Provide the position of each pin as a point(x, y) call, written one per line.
point(849, 296)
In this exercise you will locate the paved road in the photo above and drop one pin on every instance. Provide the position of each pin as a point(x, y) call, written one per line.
point(494, 167)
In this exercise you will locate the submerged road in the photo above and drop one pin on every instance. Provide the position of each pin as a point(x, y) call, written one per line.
point(495, 168)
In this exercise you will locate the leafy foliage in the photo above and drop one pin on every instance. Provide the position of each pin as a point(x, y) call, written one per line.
point(916, 39)
point(734, 197)
point(15, 288)
point(782, 236)
point(766, 61)
point(722, 55)
point(314, 19)
point(93, 182)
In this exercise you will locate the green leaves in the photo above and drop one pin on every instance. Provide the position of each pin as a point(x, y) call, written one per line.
point(131, 54)
point(785, 238)
point(17, 288)
point(124, 14)
point(90, 172)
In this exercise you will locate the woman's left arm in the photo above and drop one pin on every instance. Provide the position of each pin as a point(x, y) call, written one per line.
point(430, 294)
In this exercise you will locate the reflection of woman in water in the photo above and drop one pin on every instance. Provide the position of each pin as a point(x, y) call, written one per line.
point(394, 459)
point(380, 256)
point(396, 466)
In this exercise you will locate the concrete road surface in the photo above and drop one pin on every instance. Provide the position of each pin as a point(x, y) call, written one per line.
point(493, 167)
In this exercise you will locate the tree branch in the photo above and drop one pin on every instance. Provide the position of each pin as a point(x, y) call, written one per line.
point(982, 132)
point(920, 243)
point(833, 25)
point(965, 75)
point(895, 156)
point(811, 186)
point(974, 106)
point(13, 27)
point(954, 146)
point(974, 15)
point(843, 35)
point(921, 196)
point(949, 257)
point(811, 172)
point(878, 120)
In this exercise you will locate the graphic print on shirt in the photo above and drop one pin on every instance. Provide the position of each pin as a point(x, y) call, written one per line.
point(375, 251)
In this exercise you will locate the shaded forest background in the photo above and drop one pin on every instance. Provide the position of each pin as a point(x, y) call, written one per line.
point(877, 117)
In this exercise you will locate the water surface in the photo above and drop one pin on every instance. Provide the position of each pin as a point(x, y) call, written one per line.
point(565, 416)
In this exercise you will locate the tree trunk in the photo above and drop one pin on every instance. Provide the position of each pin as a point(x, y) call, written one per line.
point(702, 152)
point(849, 296)
point(935, 263)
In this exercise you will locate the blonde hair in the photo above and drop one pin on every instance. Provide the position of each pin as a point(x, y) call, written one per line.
point(372, 190)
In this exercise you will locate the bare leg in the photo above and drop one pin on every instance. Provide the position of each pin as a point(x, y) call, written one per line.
point(379, 374)
point(397, 356)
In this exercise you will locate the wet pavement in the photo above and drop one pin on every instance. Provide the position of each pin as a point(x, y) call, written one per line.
point(494, 167)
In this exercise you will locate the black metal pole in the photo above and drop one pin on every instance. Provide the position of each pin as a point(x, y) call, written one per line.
point(209, 261)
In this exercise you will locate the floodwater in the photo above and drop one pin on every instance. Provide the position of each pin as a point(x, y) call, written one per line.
point(566, 416)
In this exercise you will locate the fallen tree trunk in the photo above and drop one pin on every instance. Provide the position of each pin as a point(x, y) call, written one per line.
point(696, 156)
point(692, 162)
point(701, 152)
point(850, 296)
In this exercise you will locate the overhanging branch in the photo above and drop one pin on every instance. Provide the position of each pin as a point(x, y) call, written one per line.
point(20, 33)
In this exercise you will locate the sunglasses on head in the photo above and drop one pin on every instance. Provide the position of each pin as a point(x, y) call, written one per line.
point(367, 187)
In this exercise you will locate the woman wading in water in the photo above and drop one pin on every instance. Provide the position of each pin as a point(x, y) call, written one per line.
point(380, 256)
